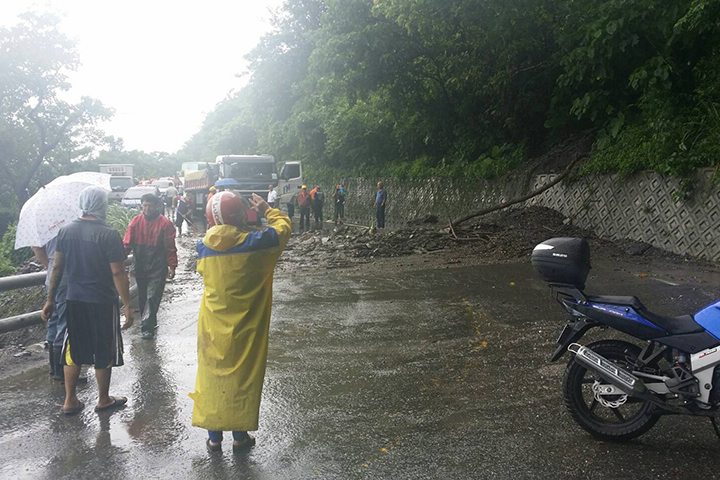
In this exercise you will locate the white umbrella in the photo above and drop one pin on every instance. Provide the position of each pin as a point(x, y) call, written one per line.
point(54, 206)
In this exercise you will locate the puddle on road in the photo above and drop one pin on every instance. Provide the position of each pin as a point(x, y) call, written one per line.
point(368, 375)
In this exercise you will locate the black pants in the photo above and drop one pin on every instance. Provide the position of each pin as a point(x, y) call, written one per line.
point(380, 216)
point(291, 209)
point(304, 218)
point(150, 292)
point(318, 211)
point(339, 211)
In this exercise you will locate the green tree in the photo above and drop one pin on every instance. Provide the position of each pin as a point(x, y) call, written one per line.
point(36, 124)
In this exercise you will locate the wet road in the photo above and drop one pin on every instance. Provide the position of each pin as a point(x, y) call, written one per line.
point(420, 374)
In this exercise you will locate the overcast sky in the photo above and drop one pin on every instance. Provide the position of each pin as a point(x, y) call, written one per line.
point(162, 65)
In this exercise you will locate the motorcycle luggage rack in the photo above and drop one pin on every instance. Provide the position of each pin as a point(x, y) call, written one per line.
point(565, 290)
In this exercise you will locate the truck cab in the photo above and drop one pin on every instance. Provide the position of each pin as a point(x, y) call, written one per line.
point(290, 181)
point(255, 173)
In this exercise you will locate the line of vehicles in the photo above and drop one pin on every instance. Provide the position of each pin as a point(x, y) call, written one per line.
point(242, 174)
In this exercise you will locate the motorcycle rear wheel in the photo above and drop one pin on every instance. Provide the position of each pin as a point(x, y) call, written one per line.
point(626, 422)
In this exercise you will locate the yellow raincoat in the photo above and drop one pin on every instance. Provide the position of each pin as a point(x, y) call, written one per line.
point(237, 268)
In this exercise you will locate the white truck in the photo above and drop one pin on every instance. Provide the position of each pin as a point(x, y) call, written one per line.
point(255, 173)
point(117, 169)
point(122, 179)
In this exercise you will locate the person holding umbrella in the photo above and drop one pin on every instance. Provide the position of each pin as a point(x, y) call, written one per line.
point(90, 253)
point(54, 205)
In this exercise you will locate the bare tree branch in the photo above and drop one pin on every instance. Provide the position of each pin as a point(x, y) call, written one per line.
point(524, 198)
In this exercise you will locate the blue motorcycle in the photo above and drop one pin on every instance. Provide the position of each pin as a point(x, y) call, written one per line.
point(618, 390)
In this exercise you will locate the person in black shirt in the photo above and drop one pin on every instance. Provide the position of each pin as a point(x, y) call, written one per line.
point(90, 256)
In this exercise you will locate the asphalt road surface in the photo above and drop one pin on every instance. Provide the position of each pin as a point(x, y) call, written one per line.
point(439, 373)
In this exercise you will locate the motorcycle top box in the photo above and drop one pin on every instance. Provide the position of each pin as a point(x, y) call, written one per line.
point(563, 261)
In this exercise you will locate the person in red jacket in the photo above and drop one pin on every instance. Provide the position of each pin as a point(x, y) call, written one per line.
point(151, 238)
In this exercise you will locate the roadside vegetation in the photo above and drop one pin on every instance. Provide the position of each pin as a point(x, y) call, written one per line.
point(473, 88)
point(42, 135)
point(441, 88)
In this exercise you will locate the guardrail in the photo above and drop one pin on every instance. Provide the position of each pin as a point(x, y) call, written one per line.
point(26, 280)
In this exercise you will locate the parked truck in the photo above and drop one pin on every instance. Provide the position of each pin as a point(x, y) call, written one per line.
point(198, 177)
point(122, 179)
point(255, 173)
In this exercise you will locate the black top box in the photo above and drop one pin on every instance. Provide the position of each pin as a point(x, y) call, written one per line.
point(563, 261)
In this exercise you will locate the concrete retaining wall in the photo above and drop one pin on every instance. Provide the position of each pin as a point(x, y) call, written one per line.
point(643, 207)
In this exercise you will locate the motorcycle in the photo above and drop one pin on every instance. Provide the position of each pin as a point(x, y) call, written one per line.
point(617, 390)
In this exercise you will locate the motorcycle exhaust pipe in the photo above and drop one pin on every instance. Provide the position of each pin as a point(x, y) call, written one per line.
point(625, 381)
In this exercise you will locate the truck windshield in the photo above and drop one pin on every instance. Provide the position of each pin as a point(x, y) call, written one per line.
point(252, 171)
point(136, 193)
point(121, 183)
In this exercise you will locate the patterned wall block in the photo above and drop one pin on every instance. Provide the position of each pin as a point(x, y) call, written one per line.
point(640, 208)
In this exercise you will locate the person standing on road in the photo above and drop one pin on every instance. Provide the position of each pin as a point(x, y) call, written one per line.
point(170, 193)
point(182, 213)
point(272, 196)
point(90, 254)
point(339, 202)
point(237, 264)
point(318, 202)
point(291, 207)
point(151, 238)
point(57, 323)
point(305, 203)
point(380, 201)
point(212, 192)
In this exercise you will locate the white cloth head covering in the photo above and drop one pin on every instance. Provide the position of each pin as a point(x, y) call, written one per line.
point(93, 202)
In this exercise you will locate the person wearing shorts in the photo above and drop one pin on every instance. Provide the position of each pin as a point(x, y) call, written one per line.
point(90, 256)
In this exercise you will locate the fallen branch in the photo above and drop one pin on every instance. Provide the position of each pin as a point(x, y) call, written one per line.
point(452, 230)
point(470, 239)
point(524, 198)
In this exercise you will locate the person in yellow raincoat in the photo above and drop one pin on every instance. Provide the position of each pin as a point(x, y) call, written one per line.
point(237, 263)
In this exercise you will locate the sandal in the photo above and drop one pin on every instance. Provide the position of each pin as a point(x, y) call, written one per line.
point(244, 445)
point(213, 448)
point(116, 403)
point(73, 410)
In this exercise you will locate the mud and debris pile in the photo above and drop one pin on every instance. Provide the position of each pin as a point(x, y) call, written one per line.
point(505, 236)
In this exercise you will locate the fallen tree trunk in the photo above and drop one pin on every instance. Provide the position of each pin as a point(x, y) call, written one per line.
point(524, 198)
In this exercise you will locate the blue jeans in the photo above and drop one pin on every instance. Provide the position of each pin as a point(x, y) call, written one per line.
point(380, 215)
point(58, 322)
point(217, 436)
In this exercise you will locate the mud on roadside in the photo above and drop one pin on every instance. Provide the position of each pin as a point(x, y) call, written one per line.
point(506, 237)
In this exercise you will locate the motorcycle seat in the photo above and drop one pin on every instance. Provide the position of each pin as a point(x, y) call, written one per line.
point(672, 325)
point(633, 302)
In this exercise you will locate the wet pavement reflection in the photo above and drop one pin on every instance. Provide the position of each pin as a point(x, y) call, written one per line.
point(422, 374)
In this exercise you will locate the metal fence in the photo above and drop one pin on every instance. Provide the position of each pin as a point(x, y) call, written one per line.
point(26, 280)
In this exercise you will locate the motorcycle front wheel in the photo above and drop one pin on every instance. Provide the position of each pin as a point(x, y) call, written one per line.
point(623, 420)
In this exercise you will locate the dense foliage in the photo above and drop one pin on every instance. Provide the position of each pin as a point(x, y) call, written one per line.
point(41, 134)
point(474, 87)
point(119, 217)
point(10, 258)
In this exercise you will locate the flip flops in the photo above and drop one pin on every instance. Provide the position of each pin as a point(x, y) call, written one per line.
point(213, 448)
point(73, 410)
point(244, 445)
point(116, 403)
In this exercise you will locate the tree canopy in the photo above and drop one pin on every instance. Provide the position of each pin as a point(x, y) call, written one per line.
point(474, 87)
